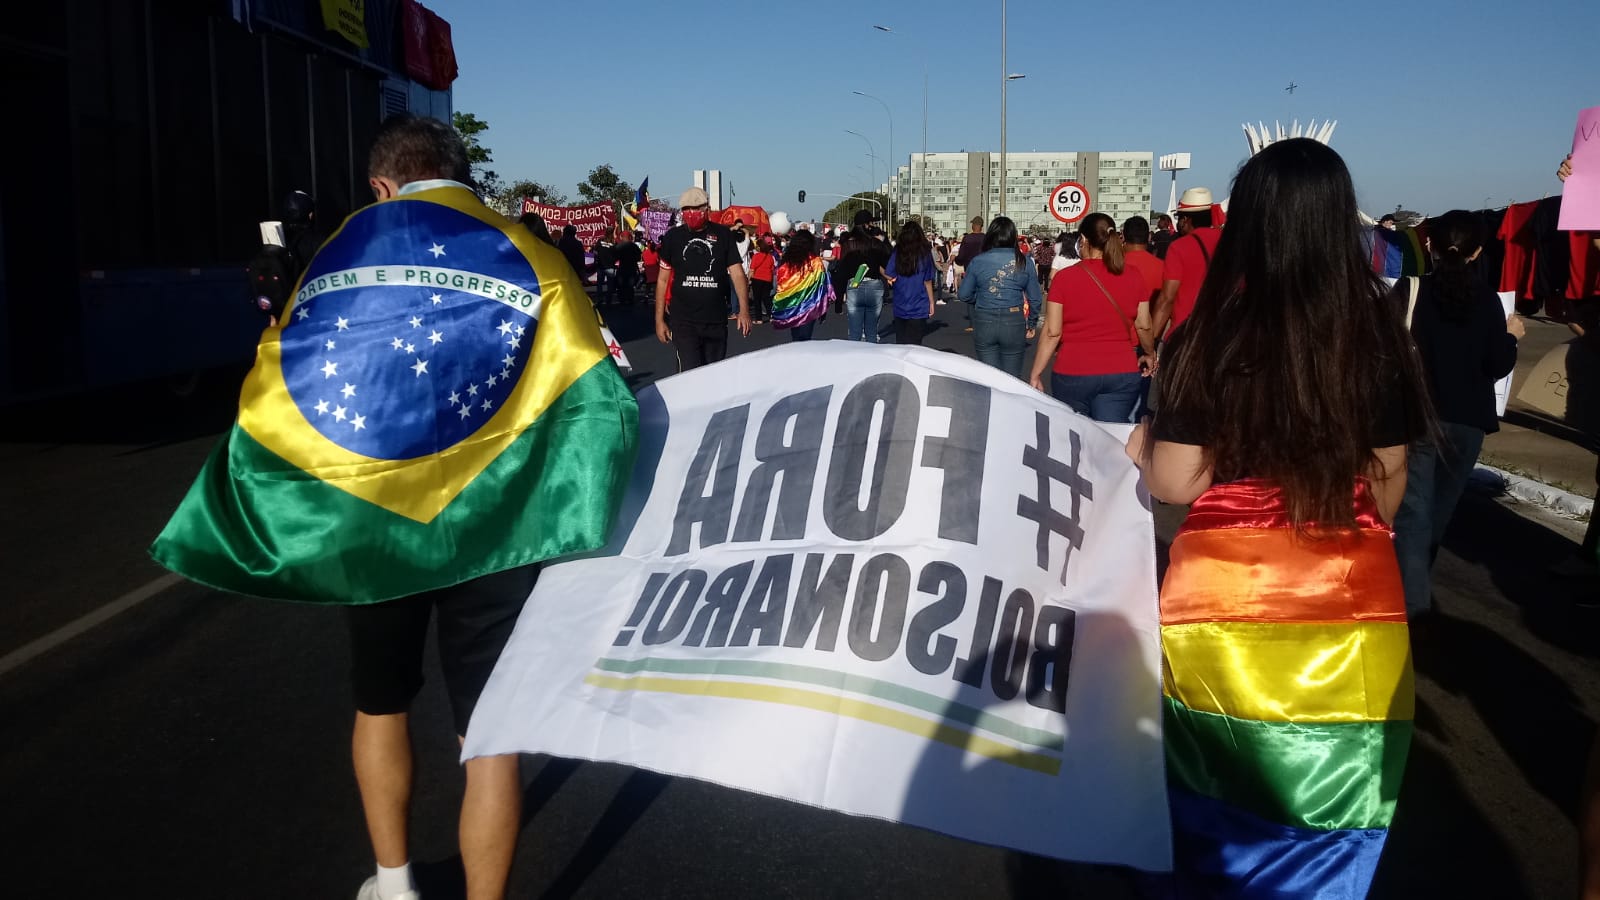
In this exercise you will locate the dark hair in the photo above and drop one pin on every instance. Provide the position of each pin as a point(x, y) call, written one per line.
point(1386, 217)
point(1136, 230)
point(1002, 233)
point(415, 148)
point(977, 222)
point(802, 246)
point(1197, 218)
point(1453, 238)
point(1163, 219)
point(1099, 231)
point(911, 249)
point(569, 230)
point(1291, 346)
point(536, 224)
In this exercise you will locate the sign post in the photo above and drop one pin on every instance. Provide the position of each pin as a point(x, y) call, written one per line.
point(1069, 202)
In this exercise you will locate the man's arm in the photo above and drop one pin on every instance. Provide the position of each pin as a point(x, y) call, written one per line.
point(741, 287)
point(663, 281)
point(1162, 314)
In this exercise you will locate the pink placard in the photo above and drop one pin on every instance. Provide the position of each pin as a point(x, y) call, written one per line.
point(1580, 195)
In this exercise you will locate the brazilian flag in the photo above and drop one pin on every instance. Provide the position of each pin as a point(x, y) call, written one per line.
point(436, 404)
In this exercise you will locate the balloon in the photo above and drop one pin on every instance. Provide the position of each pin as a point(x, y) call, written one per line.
point(779, 223)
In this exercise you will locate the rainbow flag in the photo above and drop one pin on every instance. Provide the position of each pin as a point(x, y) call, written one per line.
point(800, 294)
point(437, 404)
point(1288, 694)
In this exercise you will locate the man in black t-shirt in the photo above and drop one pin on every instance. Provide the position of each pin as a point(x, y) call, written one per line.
point(628, 257)
point(699, 263)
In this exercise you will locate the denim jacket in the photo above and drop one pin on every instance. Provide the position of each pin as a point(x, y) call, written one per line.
point(995, 280)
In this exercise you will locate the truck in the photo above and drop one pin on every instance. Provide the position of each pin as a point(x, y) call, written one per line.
point(149, 137)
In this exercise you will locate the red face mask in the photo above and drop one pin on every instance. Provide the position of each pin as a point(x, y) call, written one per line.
point(695, 218)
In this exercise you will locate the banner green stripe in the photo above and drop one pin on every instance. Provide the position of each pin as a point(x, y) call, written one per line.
point(1312, 775)
point(256, 524)
point(947, 710)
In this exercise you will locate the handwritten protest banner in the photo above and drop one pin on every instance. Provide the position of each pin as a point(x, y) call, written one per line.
point(655, 222)
point(887, 581)
point(1580, 194)
point(592, 220)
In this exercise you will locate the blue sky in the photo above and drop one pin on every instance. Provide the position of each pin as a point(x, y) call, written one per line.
point(1439, 104)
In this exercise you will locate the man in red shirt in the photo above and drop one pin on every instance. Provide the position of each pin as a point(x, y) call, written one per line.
point(1187, 260)
point(1137, 256)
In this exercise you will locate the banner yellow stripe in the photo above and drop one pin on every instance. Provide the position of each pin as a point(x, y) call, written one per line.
point(839, 706)
point(1291, 672)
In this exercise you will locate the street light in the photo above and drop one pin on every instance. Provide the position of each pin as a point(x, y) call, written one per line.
point(920, 182)
point(888, 174)
point(871, 153)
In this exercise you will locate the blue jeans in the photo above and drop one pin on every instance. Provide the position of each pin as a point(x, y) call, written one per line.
point(1435, 478)
point(1103, 398)
point(999, 336)
point(864, 303)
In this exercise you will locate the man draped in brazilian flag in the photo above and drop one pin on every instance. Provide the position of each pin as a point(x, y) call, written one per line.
point(435, 414)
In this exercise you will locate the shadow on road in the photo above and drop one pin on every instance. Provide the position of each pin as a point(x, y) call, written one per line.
point(150, 413)
point(632, 799)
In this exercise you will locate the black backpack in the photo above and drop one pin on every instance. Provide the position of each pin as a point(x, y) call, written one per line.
point(272, 272)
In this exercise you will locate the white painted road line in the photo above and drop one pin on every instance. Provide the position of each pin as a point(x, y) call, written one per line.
point(32, 650)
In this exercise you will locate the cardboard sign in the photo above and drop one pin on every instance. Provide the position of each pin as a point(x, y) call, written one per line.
point(1566, 385)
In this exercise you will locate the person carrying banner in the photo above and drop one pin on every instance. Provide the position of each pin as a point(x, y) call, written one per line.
point(700, 267)
point(1292, 395)
point(433, 482)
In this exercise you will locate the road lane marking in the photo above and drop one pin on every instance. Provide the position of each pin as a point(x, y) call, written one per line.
point(32, 650)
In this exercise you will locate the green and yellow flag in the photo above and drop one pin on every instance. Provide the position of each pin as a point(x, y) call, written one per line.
point(437, 404)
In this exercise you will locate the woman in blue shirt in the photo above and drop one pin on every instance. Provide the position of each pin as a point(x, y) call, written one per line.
point(1003, 288)
point(910, 276)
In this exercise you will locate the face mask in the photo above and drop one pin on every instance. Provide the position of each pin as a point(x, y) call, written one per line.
point(695, 218)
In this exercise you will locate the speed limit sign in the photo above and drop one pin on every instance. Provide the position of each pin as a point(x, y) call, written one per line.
point(1069, 202)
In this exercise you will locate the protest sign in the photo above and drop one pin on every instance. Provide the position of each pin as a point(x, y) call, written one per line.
point(1580, 193)
point(655, 223)
point(887, 581)
point(1566, 385)
point(592, 220)
point(1502, 388)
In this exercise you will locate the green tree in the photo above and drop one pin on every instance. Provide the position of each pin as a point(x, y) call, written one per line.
point(604, 184)
point(479, 156)
point(844, 212)
point(544, 193)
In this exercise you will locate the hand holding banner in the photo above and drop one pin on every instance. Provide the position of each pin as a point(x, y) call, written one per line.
point(887, 581)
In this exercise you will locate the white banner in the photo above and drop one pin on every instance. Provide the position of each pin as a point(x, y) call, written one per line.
point(883, 580)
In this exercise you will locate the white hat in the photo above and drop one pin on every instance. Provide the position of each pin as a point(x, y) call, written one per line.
point(1195, 200)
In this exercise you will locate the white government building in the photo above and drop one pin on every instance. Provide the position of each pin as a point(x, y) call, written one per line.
point(962, 185)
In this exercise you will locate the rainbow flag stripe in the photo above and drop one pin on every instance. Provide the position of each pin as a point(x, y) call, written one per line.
point(800, 293)
point(1289, 698)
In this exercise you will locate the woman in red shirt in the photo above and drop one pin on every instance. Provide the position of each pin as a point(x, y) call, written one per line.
point(1089, 314)
point(651, 260)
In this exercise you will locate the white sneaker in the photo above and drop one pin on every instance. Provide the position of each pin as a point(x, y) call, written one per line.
point(369, 891)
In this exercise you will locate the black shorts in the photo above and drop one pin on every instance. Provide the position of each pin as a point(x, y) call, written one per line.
point(699, 343)
point(475, 621)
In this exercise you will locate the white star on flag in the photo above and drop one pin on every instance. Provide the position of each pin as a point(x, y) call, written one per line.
point(359, 422)
point(341, 323)
point(338, 413)
point(514, 342)
point(437, 250)
point(349, 390)
point(464, 411)
point(411, 348)
point(454, 398)
point(436, 299)
point(416, 322)
point(492, 380)
point(329, 368)
point(505, 327)
point(487, 404)
point(435, 337)
point(472, 389)
point(302, 312)
point(328, 344)
point(420, 367)
point(397, 343)
point(520, 330)
point(322, 407)
point(509, 360)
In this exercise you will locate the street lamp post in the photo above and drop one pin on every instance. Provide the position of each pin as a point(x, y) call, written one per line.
point(889, 171)
point(920, 171)
point(871, 154)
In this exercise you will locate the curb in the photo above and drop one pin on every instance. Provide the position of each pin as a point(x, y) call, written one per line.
point(1552, 498)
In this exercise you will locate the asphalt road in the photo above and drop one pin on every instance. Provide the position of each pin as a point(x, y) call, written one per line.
point(195, 744)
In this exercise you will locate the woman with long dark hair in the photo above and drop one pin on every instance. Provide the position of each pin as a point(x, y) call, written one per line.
point(1292, 393)
point(1003, 288)
point(1467, 343)
point(1090, 315)
point(910, 274)
point(801, 289)
point(858, 277)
